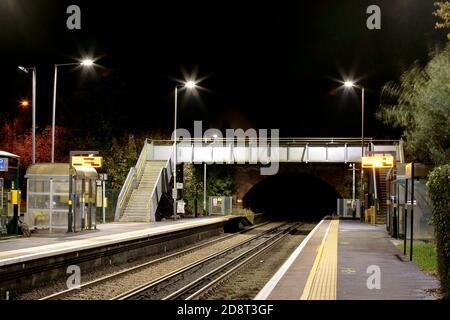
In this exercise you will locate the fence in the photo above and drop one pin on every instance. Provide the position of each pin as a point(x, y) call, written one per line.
point(220, 205)
point(111, 195)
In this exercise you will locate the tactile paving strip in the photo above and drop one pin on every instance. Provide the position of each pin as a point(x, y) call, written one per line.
point(321, 283)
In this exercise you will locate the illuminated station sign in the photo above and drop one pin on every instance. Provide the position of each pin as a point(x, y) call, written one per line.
point(90, 162)
point(378, 162)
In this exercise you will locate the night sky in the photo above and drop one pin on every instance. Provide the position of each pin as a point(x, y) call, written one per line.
point(263, 64)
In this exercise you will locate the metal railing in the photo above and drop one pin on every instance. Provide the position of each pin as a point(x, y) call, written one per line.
point(286, 140)
point(132, 180)
point(162, 185)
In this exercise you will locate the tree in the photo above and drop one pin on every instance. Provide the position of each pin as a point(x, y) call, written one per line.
point(443, 12)
point(193, 185)
point(420, 104)
point(219, 181)
point(119, 159)
point(18, 140)
point(439, 190)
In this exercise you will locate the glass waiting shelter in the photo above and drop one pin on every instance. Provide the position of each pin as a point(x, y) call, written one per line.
point(84, 193)
point(48, 196)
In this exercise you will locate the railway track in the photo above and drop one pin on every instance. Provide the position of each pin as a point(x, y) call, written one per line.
point(110, 279)
point(194, 279)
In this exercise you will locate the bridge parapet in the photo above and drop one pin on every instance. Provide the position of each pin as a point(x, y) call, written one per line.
point(264, 151)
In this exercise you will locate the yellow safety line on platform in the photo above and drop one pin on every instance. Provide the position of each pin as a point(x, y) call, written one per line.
point(321, 282)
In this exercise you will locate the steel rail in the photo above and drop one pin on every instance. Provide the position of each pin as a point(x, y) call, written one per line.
point(224, 271)
point(67, 292)
point(152, 285)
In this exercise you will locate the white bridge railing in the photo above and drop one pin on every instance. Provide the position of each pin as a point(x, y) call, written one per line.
point(224, 151)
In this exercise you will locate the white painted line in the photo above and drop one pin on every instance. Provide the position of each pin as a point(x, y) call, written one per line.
point(31, 253)
point(270, 285)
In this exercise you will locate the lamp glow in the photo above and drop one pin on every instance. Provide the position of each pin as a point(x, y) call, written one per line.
point(190, 84)
point(349, 84)
point(23, 69)
point(87, 62)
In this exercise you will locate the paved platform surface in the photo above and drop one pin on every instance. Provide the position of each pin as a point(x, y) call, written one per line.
point(340, 260)
point(43, 245)
point(362, 246)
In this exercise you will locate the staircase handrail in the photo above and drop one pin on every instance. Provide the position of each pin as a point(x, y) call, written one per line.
point(142, 159)
point(125, 191)
point(159, 187)
point(132, 180)
point(401, 151)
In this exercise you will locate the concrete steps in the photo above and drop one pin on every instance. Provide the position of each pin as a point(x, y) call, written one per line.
point(137, 209)
point(381, 217)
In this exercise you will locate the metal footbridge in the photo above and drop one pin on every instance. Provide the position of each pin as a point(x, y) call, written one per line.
point(151, 177)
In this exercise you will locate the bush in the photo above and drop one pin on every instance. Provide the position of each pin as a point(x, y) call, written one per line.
point(439, 189)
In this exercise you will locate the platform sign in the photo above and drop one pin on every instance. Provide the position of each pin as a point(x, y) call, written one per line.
point(90, 162)
point(408, 170)
point(180, 206)
point(3, 164)
point(378, 162)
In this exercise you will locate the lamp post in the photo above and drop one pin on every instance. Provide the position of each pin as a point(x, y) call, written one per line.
point(33, 112)
point(214, 136)
point(188, 85)
point(84, 63)
point(351, 84)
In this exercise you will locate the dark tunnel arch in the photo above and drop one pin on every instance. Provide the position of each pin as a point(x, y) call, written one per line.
point(292, 196)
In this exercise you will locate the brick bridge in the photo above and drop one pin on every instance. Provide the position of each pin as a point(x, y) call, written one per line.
point(333, 176)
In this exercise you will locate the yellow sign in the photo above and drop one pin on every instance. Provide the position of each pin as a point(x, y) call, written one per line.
point(15, 196)
point(378, 162)
point(408, 170)
point(92, 162)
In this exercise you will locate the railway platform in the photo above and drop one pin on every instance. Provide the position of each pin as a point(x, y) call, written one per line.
point(49, 244)
point(27, 262)
point(348, 260)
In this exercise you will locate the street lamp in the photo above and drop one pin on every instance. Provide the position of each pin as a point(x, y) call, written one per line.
point(190, 84)
point(87, 62)
point(33, 112)
point(214, 136)
point(351, 84)
point(24, 103)
point(83, 63)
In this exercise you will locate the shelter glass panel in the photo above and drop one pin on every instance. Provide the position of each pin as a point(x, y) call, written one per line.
point(39, 186)
point(38, 201)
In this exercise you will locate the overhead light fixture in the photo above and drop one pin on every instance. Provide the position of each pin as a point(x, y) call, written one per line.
point(349, 84)
point(87, 62)
point(190, 84)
